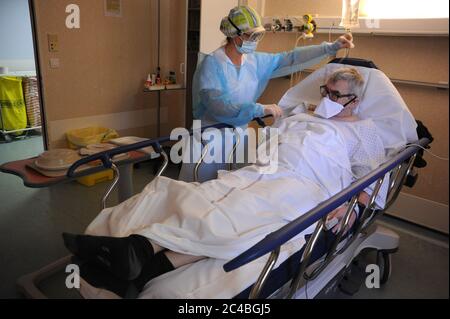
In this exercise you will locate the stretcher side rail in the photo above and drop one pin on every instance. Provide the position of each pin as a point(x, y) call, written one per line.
point(106, 156)
point(365, 221)
point(275, 240)
point(398, 177)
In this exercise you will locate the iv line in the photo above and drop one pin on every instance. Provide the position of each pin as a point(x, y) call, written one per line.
point(429, 152)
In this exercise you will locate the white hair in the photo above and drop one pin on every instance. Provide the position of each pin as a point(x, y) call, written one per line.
point(351, 76)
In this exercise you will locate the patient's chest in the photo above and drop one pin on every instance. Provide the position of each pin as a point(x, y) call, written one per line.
point(364, 146)
point(350, 138)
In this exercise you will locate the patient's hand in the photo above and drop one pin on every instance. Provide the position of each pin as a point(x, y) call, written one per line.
point(340, 214)
point(363, 198)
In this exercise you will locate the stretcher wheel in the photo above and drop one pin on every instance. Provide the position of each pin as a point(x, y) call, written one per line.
point(7, 138)
point(384, 262)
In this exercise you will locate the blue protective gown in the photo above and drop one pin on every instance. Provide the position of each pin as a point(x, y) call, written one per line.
point(225, 93)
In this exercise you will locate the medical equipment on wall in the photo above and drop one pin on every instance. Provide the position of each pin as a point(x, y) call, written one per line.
point(303, 24)
point(309, 26)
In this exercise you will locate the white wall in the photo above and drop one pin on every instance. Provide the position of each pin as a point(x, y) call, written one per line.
point(16, 40)
point(212, 13)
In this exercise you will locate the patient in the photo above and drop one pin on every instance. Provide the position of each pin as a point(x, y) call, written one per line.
point(173, 223)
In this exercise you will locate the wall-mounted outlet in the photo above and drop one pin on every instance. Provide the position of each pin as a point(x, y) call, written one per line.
point(54, 63)
point(53, 45)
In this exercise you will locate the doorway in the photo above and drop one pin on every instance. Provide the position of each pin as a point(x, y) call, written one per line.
point(22, 128)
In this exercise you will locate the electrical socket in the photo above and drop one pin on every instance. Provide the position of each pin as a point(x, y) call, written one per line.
point(54, 63)
point(53, 43)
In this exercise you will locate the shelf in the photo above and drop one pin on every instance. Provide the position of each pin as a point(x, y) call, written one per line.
point(164, 89)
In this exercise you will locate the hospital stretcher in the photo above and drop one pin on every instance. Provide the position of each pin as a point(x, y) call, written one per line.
point(289, 277)
point(287, 271)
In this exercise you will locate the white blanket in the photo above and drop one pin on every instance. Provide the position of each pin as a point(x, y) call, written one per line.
point(224, 217)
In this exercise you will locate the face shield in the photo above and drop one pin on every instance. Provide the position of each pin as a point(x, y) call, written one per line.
point(254, 35)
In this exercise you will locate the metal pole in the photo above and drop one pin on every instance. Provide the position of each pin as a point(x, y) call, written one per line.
point(159, 57)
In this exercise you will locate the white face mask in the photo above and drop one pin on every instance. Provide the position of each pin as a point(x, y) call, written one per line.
point(327, 108)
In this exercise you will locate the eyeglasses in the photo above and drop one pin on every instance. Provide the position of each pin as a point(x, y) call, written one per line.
point(336, 95)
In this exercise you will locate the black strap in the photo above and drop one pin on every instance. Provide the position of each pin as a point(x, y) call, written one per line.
point(355, 62)
point(235, 26)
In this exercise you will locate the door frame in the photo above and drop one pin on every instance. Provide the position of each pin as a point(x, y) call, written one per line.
point(31, 6)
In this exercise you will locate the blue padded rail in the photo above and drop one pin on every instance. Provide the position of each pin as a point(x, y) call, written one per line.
point(286, 233)
point(106, 156)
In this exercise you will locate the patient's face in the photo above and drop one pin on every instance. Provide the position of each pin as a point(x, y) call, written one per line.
point(343, 88)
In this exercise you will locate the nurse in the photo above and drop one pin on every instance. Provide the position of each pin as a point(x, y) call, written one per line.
point(229, 82)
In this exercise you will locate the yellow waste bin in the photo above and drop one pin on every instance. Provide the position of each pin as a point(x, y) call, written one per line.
point(93, 179)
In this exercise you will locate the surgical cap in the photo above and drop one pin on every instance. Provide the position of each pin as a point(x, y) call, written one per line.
point(243, 17)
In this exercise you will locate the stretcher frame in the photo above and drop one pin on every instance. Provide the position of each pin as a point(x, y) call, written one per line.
point(367, 236)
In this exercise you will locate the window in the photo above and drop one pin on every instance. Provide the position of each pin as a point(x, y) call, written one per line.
point(404, 9)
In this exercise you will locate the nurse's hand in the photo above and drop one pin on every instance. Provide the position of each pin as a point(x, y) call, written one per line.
point(346, 41)
point(274, 110)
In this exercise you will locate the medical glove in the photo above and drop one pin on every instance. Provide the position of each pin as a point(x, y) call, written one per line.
point(346, 41)
point(273, 110)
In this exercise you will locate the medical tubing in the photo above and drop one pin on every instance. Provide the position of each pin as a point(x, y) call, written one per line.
point(431, 153)
point(286, 233)
point(106, 156)
point(297, 41)
point(330, 31)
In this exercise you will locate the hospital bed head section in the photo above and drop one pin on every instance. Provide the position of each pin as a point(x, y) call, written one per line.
point(381, 101)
